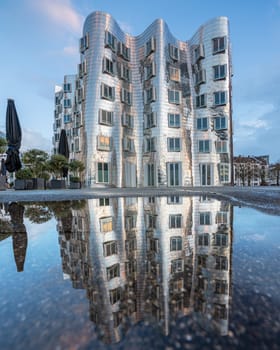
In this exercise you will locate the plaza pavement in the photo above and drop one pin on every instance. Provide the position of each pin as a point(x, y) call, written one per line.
point(264, 198)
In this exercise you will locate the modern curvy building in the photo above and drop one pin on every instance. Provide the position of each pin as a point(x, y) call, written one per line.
point(152, 110)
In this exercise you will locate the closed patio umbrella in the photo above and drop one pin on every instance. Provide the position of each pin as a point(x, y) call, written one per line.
point(13, 136)
point(19, 234)
point(63, 149)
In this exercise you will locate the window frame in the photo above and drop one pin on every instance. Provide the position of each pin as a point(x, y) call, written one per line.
point(173, 123)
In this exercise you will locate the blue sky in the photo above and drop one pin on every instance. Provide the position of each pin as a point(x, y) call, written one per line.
point(39, 45)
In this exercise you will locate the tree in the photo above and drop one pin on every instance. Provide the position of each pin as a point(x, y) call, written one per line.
point(36, 160)
point(276, 170)
point(76, 167)
point(3, 144)
point(56, 164)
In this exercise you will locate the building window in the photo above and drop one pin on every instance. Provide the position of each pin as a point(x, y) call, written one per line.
point(130, 245)
point(150, 71)
point(108, 66)
point(221, 146)
point(221, 287)
point(220, 71)
point(174, 200)
point(150, 120)
point(200, 101)
point(204, 146)
point(117, 318)
point(221, 239)
point(203, 239)
point(80, 94)
point(150, 95)
point(103, 172)
point(220, 98)
point(128, 120)
point(115, 295)
point(82, 68)
point(130, 267)
point(106, 224)
point(67, 87)
point(123, 51)
point(221, 263)
point(205, 218)
point(176, 243)
point(150, 46)
point(103, 143)
point(67, 103)
point(105, 117)
point(175, 221)
point(173, 52)
point(77, 145)
point(219, 44)
point(220, 123)
point(151, 221)
point(84, 42)
point(174, 120)
point(202, 123)
point(174, 96)
point(110, 248)
point(128, 144)
point(200, 77)
point(125, 73)
point(110, 41)
point(220, 312)
point(222, 217)
point(174, 173)
point(130, 222)
point(113, 271)
point(150, 144)
point(177, 265)
point(126, 96)
point(202, 260)
point(224, 172)
point(67, 118)
point(174, 73)
point(150, 175)
point(153, 245)
point(107, 92)
point(174, 144)
point(104, 202)
point(199, 52)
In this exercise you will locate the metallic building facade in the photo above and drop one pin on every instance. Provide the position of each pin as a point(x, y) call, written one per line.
point(156, 111)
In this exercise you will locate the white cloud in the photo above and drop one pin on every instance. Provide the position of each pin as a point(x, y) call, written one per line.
point(60, 13)
point(126, 27)
point(33, 139)
point(71, 50)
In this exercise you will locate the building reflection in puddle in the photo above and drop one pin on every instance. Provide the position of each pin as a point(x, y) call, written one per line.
point(150, 259)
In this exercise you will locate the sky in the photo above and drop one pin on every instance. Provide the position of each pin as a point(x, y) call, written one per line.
point(39, 45)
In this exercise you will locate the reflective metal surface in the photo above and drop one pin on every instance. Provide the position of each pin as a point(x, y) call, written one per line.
point(132, 77)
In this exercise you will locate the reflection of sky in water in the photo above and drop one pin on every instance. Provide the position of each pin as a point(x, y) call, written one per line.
point(41, 309)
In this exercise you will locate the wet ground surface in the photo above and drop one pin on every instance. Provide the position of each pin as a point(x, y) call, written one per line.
point(57, 291)
point(263, 198)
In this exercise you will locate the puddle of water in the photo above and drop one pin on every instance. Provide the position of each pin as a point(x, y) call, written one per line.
point(123, 273)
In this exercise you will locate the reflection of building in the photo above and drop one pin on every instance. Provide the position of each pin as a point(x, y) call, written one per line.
point(150, 110)
point(251, 170)
point(151, 259)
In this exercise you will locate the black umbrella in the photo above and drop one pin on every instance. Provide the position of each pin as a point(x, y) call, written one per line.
point(3, 168)
point(19, 234)
point(63, 149)
point(13, 136)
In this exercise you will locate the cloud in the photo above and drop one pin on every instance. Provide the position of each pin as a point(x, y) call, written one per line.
point(33, 139)
point(126, 27)
point(59, 13)
point(71, 50)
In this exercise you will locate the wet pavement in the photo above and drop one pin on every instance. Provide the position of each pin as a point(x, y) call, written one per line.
point(138, 273)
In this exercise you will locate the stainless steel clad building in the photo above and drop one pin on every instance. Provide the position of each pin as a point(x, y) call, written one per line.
point(153, 110)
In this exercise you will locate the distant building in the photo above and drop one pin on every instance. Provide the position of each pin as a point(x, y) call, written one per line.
point(150, 110)
point(251, 170)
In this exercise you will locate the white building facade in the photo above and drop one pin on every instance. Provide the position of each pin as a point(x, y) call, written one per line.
point(154, 111)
